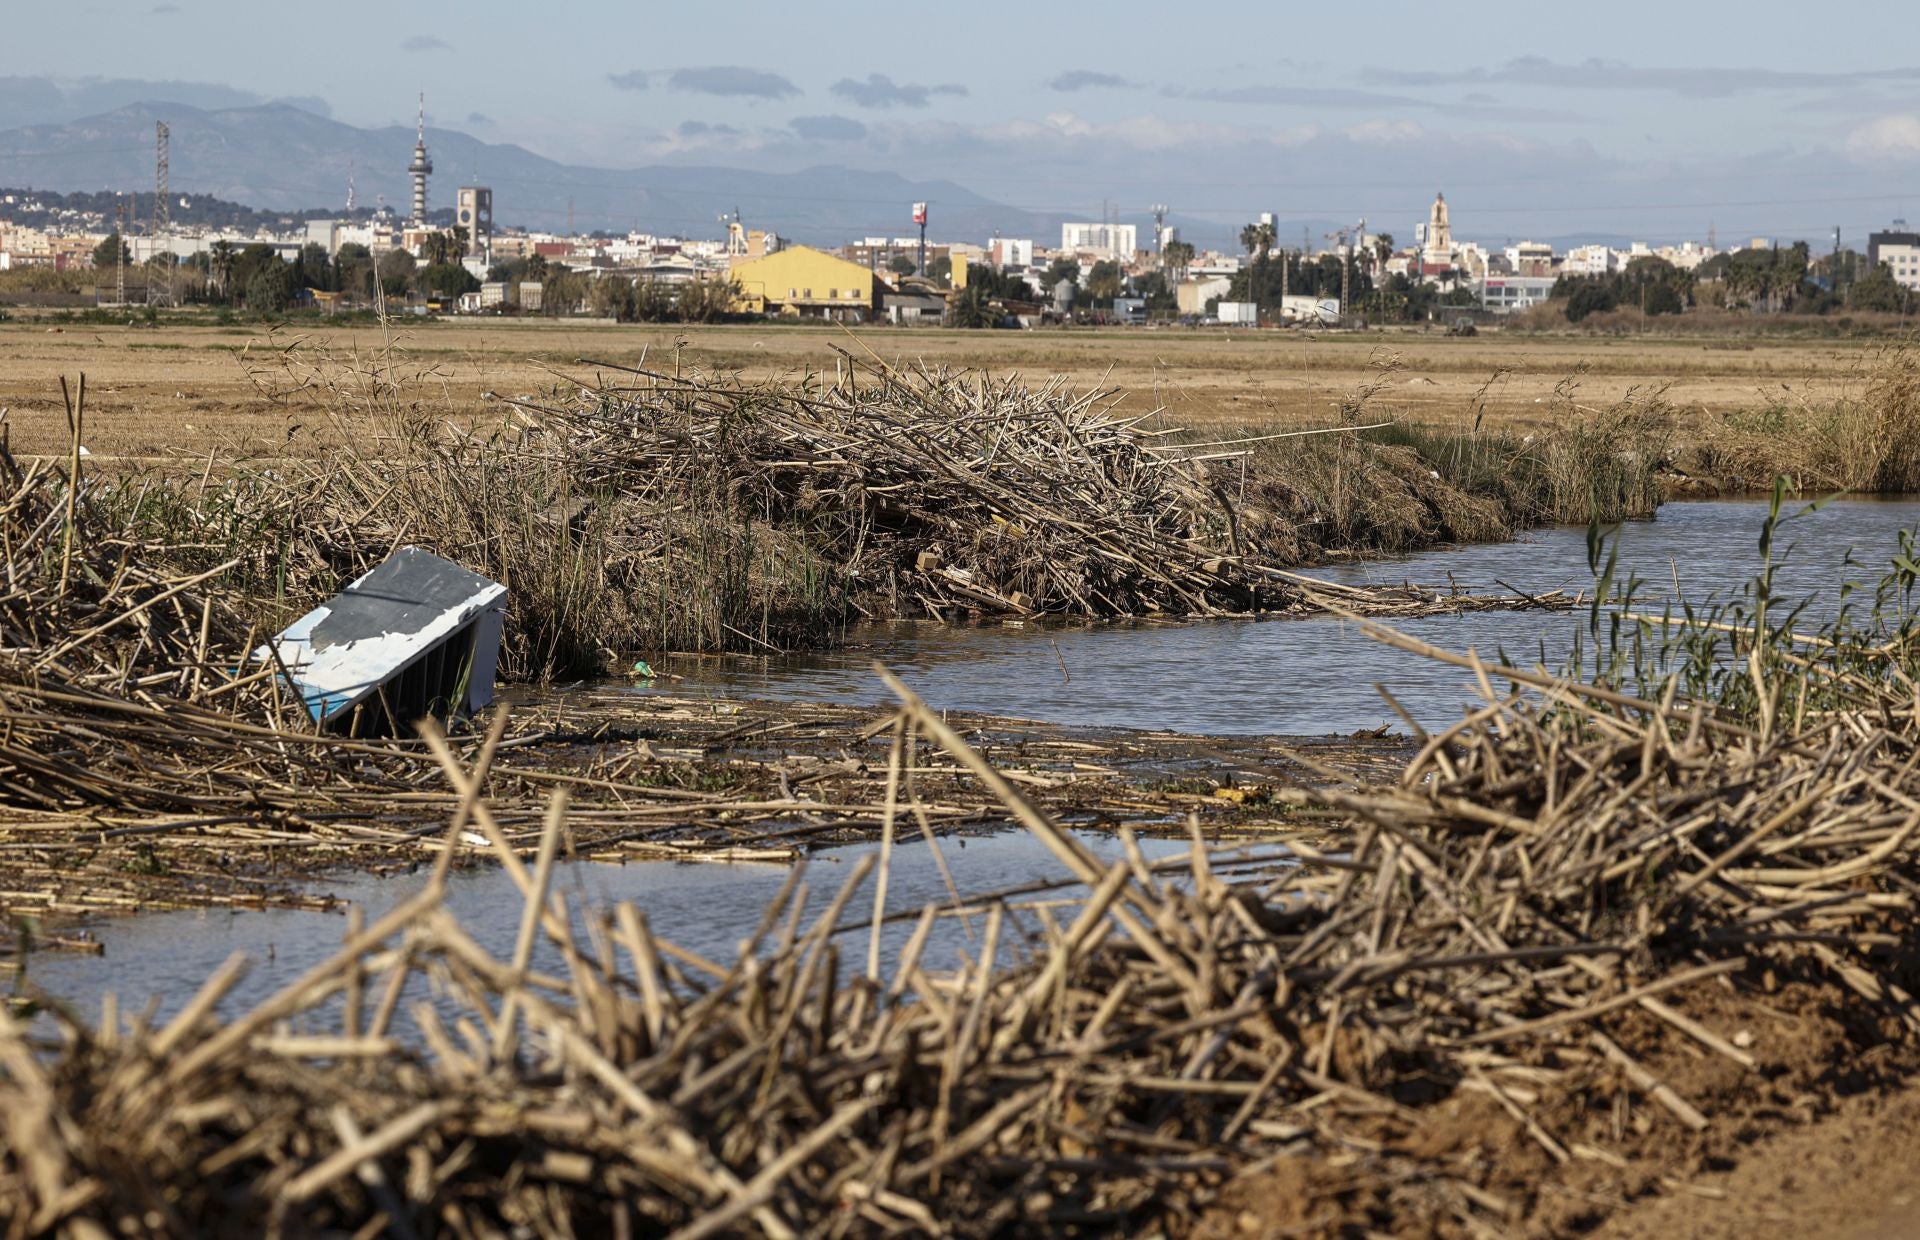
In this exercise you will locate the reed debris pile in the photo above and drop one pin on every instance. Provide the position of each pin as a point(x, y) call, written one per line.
point(1537, 885)
point(640, 511)
point(121, 683)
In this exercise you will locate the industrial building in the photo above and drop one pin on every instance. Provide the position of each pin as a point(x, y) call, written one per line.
point(1507, 294)
point(1192, 296)
point(805, 282)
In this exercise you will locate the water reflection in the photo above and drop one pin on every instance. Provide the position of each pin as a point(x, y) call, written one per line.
point(1307, 677)
point(706, 908)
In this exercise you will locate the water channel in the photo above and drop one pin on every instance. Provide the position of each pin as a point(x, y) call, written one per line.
point(1316, 676)
point(1296, 677)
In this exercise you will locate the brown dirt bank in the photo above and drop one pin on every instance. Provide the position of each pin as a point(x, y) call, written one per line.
point(1818, 1138)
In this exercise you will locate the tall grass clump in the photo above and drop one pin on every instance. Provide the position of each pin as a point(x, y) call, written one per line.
point(1405, 485)
point(1603, 464)
point(1865, 437)
point(1761, 658)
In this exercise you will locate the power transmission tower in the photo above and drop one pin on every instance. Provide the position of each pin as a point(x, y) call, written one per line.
point(162, 219)
point(1346, 277)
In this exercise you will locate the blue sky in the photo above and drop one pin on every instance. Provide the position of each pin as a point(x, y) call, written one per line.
point(1537, 120)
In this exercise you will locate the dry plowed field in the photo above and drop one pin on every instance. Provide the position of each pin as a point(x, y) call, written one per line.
point(180, 391)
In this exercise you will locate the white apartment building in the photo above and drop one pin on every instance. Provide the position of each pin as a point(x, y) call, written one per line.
point(1687, 255)
point(1589, 260)
point(1530, 258)
point(1005, 252)
point(1904, 262)
point(1899, 249)
point(1114, 240)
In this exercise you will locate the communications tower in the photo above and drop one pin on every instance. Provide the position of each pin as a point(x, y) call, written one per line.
point(420, 168)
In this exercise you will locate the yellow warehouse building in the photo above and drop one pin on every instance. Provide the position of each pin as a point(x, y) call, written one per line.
point(803, 281)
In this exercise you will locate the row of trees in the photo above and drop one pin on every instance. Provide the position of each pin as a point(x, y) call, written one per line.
point(254, 277)
point(1781, 280)
point(646, 300)
point(1653, 284)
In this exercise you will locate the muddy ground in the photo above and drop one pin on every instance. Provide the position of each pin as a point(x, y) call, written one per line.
point(1819, 1137)
point(655, 775)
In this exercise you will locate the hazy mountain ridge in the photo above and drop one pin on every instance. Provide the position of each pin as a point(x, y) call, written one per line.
point(281, 157)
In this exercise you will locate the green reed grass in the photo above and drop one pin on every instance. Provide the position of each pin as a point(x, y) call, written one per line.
point(1760, 657)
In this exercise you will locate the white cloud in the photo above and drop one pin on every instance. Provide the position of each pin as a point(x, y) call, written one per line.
point(1385, 133)
point(1889, 137)
point(1148, 132)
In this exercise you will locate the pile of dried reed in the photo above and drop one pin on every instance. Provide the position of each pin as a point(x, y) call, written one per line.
point(1533, 880)
point(95, 642)
point(937, 492)
point(146, 760)
point(658, 512)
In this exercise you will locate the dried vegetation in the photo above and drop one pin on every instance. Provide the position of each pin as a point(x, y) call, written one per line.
point(1543, 905)
point(658, 511)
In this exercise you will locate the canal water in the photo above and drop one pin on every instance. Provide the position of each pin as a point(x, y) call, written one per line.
point(1224, 677)
point(705, 907)
point(1316, 676)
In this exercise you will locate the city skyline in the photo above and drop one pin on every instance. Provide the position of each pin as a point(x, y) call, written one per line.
point(1523, 116)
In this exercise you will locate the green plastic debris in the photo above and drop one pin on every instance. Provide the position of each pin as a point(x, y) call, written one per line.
point(640, 668)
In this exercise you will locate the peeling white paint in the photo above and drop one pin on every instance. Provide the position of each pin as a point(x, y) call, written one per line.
point(333, 675)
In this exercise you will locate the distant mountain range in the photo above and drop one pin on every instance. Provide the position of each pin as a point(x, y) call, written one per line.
point(281, 157)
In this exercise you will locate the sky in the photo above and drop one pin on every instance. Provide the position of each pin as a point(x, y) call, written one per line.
point(1641, 119)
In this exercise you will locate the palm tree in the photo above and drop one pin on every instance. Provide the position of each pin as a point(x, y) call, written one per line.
point(439, 247)
point(220, 258)
point(973, 308)
point(1382, 251)
point(1175, 257)
point(1256, 239)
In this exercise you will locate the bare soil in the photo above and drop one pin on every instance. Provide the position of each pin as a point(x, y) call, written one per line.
point(1821, 1137)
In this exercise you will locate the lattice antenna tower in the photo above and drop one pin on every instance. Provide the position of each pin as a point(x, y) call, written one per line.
point(120, 268)
point(162, 199)
point(162, 212)
point(349, 187)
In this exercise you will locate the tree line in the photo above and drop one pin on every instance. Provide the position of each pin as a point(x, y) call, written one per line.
point(1774, 280)
point(255, 278)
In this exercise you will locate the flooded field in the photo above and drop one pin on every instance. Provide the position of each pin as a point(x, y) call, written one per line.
point(1316, 676)
point(1282, 677)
